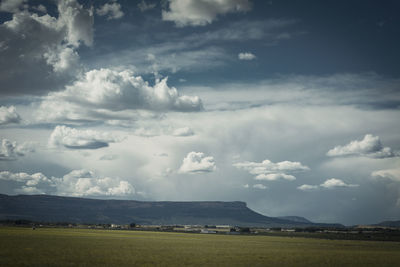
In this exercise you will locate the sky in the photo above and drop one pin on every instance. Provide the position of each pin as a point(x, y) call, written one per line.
point(290, 106)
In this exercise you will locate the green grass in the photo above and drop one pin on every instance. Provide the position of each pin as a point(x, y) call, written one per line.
point(78, 247)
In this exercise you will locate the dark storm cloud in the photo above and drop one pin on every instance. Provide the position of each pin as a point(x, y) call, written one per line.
point(38, 52)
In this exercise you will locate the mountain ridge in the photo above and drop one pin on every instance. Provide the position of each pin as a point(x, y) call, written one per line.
point(395, 224)
point(51, 208)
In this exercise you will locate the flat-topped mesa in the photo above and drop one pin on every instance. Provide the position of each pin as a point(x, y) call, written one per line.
point(49, 208)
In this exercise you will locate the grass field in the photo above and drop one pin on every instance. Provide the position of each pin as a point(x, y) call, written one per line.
point(79, 247)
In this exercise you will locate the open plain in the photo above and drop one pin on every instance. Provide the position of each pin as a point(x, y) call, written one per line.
point(88, 247)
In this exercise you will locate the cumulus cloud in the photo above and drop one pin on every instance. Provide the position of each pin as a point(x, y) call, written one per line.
point(333, 183)
point(270, 171)
point(307, 187)
point(197, 162)
point(260, 186)
point(76, 183)
point(275, 176)
point(144, 6)
point(9, 115)
point(62, 59)
point(11, 150)
point(11, 5)
point(185, 131)
point(86, 183)
point(80, 139)
point(370, 146)
point(106, 91)
point(328, 184)
point(32, 182)
point(38, 52)
point(40, 8)
point(78, 22)
point(392, 174)
point(111, 10)
point(246, 56)
point(201, 12)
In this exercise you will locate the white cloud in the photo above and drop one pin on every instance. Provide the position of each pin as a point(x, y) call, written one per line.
point(328, 184)
point(62, 59)
point(11, 5)
point(77, 21)
point(39, 52)
point(31, 181)
point(197, 162)
point(11, 150)
point(370, 146)
point(333, 183)
point(270, 171)
point(260, 186)
point(40, 8)
point(9, 115)
point(106, 91)
point(80, 139)
point(392, 174)
point(111, 10)
point(29, 190)
point(246, 186)
point(246, 56)
point(144, 6)
point(86, 183)
point(307, 187)
point(185, 131)
point(201, 12)
point(75, 183)
point(275, 176)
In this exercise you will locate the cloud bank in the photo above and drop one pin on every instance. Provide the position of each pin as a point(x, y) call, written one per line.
point(76, 183)
point(328, 184)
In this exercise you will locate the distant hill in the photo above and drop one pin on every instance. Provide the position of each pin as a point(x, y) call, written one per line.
point(295, 219)
point(49, 208)
point(389, 224)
